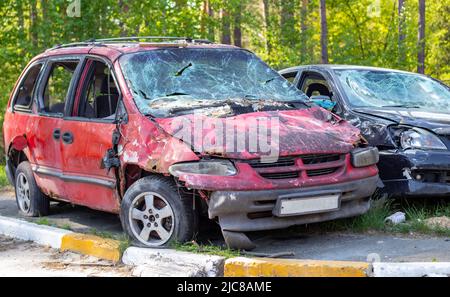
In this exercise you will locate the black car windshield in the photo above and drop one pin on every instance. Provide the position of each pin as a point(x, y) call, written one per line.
point(378, 88)
point(190, 77)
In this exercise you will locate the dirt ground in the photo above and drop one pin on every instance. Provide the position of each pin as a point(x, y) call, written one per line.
point(20, 258)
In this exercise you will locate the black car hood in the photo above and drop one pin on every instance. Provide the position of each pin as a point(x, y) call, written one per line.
point(437, 122)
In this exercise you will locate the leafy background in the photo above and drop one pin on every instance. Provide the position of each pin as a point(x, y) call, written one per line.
point(283, 32)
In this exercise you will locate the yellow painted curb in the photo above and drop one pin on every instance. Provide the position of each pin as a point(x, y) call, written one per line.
point(247, 267)
point(102, 248)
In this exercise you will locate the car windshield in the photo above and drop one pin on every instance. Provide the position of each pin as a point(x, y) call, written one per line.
point(195, 78)
point(376, 88)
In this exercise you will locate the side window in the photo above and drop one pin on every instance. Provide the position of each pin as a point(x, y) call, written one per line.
point(100, 93)
point(290, 76)
point(57, 87)
point(314, 84)
point(24, 97)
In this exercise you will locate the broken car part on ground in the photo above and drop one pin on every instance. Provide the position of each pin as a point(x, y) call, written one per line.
point(161, 133)
point(404, 114)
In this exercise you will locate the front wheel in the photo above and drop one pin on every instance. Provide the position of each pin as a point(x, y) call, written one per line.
point(155, 214)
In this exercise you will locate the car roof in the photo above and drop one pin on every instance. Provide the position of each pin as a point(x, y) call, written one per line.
point(340, 67)
point(115, 47)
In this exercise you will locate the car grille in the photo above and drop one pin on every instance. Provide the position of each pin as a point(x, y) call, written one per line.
point(293, 166)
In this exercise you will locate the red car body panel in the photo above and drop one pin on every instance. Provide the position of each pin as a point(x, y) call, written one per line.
point(149, 145)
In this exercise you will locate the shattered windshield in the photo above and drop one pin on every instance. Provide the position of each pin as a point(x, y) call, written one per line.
point(168, 82)
point(374, 88)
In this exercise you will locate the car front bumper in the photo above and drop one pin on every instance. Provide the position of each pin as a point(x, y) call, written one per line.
point(243, 211)
point(415, 173)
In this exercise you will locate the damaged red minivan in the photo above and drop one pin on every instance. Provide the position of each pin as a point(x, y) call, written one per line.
point(163, 131)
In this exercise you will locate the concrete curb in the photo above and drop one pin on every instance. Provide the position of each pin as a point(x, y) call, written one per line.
point(64, 240)
point(256, 267)
point(416, 269)
point(167, 262)
point(107, 249)
point(44, 235)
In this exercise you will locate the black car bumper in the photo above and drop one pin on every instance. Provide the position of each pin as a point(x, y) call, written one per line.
point(243, 211)
point(415, 173)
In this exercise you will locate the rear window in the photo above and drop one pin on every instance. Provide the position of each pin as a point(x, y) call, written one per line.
point(24, 98)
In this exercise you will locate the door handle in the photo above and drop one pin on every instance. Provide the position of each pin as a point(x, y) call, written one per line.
point(56, 134)
point(67, 138)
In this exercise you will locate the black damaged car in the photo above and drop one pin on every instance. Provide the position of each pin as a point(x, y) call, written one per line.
point(406, 115)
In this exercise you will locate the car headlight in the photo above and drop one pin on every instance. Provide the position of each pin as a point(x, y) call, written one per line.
point(363, 157)
point(420, 139)
point(214, 167)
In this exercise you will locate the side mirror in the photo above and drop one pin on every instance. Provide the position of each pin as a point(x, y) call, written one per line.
point(323, 101)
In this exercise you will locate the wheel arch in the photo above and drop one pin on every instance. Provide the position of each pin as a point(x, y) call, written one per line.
point(17, 153)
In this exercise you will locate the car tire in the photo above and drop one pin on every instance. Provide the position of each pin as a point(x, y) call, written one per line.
point(155, 214)
point(30, 200)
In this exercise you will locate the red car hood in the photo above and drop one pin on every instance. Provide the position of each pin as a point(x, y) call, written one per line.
point(305, 131)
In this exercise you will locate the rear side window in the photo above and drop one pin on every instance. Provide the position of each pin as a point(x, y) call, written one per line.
point(24, 98)
point(57, 87)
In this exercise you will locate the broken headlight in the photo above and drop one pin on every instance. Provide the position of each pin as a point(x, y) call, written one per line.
point(420, 139)
point(363, 157)
point(214, 167)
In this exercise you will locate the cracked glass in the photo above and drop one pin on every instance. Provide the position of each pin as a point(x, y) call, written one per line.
point(374, 88)
point(168, 82)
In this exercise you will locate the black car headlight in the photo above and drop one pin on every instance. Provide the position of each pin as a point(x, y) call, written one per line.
point(213, 167)
point(363, 157)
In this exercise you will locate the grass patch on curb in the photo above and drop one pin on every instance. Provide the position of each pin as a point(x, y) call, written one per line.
point(211, 249)
point(416, 212)
point(46, 222)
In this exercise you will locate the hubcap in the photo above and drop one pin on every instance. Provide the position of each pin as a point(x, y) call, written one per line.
point(151, 219)
point(23, 192)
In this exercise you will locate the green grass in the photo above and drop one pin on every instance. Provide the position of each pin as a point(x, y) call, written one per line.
point(46, 222)
point(417, 212)
point(211, 249)
point(3, 179)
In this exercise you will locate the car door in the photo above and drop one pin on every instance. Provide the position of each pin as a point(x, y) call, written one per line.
point(86, 136)
point(53, 94)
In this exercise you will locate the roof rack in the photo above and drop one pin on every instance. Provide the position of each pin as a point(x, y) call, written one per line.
point(105, 41)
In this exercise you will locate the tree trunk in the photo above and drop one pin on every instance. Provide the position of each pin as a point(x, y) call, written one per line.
point(33, 24)
point(237, 26)
point(124, 12)
point(226, 29)
point(421, 41)
point(287, 22)
point(267, 25)
point(401, 33)
point(324, 32)
point(20, 19)
point(304, 29)
point(211, 31)
point(203, 19)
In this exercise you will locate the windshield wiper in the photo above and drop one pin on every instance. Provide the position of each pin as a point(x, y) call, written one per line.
point(294, 102)
point(402, 105)
point(177, 94)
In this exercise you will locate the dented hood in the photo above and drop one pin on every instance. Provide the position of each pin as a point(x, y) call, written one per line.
point(437, 122)
point(291, 132)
